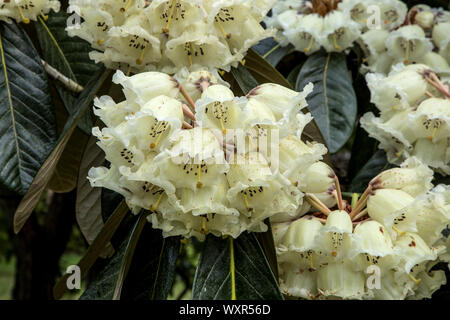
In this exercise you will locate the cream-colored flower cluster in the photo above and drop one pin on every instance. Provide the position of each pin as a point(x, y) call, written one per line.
point(26, 10)
point(309, 28)
point(414, 116)
point(311, 25)
point(383, 248)
point(167, 35)
point(238, 163)
point(422, 37)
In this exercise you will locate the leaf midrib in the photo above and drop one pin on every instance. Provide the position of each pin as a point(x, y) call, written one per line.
point(11, 108)
point(61, 52)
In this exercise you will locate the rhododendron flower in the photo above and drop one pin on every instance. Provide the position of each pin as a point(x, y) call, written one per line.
point(26, 10)
point(194, 178)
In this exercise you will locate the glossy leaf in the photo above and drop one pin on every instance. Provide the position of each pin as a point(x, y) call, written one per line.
point(148, 261)
point(95, 249)
point(44, 174)
point(65, 176)
point(27, 120)
point(70, 56)
point(272, 51)
point(333, 101)
point(253, 278)
point(88, 207)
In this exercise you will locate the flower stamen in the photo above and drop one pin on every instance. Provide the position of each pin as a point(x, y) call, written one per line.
point(141, 57)
point(169, 19)
point(127, 6)
point(417, 281)
point(25, 20)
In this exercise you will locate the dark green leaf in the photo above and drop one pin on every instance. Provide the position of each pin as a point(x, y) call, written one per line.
point(254, 279)
point(95, 249)
point(373, 167)
point(44, 174)
point(151, 270)
point(263, 71)
point(272, 51)
point(27, 120)
point(70, 56)
point(292, 77)
point(244, 78)
point(333, 102)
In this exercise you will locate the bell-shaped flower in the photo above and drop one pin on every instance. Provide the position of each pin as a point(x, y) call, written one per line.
point(143, 87)
point(390, 208)
point(257, 192)
point(152, 126)
point(433, 214)
point(305, 34)
point(219, 109)
point(339, 280)
point(425, 19)
point(297, 259)
point(117, 147)
point(436, 62)
point(393, 13)
point(400, 90)
point(375, 245)
point(408, 43)
point(380, 63)
point(112, 114)
point(194, 159)
point(173, 17)
point(434, 154)
point(285, 105)
point(441, 39)
point(339, 32)
point(394, 134)
point(235, 24)
point(26, 10)
point(413, 251)
point(357, 10)
point(200, 48)
point(373, 42)
point(132, 44)
point(335, 240)
point(433, 118)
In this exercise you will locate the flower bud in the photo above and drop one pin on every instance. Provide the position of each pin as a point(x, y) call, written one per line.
point(435, 61)
point(424, 19)
point(141, 88)
point(274, 96)
point(195, 83)
point(393, 13)
point(413, 178)
point(441, 39)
